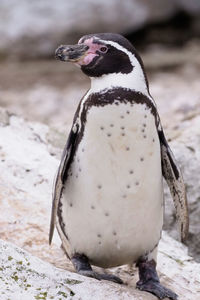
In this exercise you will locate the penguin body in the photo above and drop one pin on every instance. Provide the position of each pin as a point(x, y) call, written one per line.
point(108, 193)
point(112, 204)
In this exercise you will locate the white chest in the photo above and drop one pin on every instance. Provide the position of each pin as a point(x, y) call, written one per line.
point(112, 203)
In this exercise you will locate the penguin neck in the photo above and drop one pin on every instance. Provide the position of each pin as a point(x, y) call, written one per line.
point(134, 80)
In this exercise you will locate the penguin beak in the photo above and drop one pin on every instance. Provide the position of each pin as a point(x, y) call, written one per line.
point(71, 53)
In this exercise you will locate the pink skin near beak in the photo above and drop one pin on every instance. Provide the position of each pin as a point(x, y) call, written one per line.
point(91, 52)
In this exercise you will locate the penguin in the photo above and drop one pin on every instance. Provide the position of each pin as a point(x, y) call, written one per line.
point(108, 192)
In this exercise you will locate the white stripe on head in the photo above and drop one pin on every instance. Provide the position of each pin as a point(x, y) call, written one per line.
point(134, 80)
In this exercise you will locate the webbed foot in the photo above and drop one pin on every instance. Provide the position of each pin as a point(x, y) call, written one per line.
point(150, 282)
point(83, 267)
point(157, 289)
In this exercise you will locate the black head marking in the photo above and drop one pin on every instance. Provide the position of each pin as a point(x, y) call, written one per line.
point(114, 60)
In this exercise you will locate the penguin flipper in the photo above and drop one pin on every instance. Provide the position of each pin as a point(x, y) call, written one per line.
point(173, 176)
point(61, 176)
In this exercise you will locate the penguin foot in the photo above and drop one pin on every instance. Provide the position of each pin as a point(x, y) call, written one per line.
point(83, 267)
point(157, 289)
point(150, 282)
point(99, 276)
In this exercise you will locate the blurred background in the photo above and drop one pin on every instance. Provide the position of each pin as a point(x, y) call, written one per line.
point(38, 88)
point(32, 83)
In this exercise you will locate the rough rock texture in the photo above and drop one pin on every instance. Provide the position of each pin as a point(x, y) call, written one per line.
point(23, 276)
point(178, 99)
point(41, 25)
point(186, 147)
point(28, 163)
point(26, 178)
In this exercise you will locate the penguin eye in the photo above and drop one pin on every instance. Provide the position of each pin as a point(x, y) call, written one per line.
point(103, 49)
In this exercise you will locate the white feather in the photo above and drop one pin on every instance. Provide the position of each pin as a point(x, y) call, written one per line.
point(112, 203)
point(134, 80)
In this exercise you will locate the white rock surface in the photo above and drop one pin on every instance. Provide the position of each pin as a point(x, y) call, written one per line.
point(23, 276)
point(41, 25)
point(26, 178)
point(28, 164)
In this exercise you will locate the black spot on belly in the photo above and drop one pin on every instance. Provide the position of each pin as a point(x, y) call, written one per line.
point(101, 99)
point(142, 159)
point(99, 235)
point(109, 134)
point(123, 134)
point(131, 172)
point(111, 125)
point(92, 207)
point(128, 186)
point(99, 186)
point(127, 148)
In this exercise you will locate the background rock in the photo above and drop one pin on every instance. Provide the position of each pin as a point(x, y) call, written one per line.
point(186, 147)
point(35, 28)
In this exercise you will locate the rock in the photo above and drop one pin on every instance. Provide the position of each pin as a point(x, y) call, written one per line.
point(25, 200)
point(23, 276)
point(27, 172)
point(36, 28)
point(186, 147)
point(177, 96)
point(181, 120)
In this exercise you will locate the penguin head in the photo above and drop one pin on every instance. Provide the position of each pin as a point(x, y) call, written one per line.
point(100, 54)
point(104, 54)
